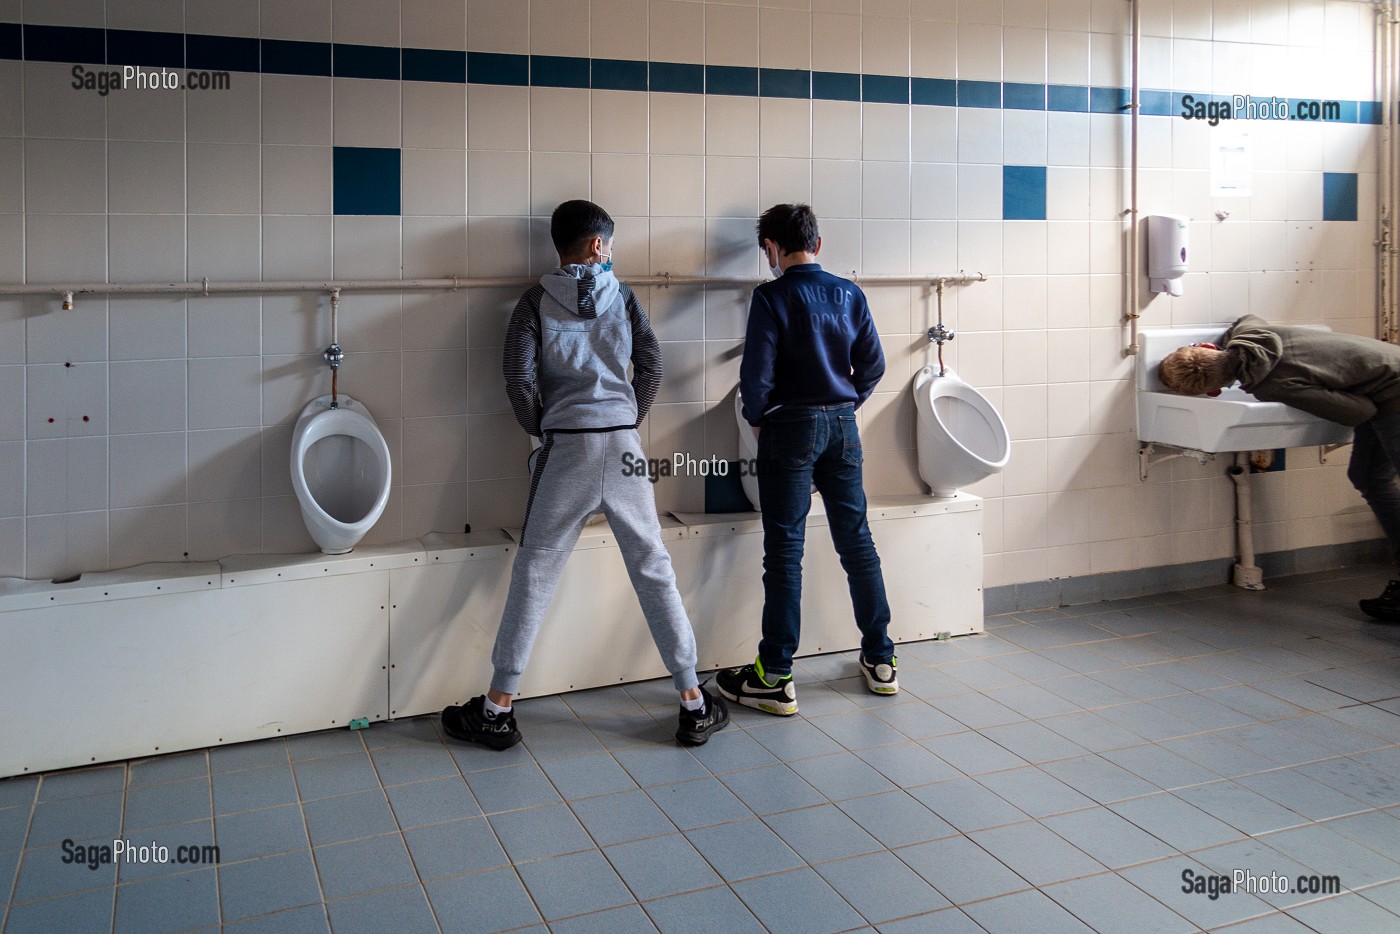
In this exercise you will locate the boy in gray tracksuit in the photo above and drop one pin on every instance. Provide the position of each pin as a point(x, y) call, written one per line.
point(568, 347)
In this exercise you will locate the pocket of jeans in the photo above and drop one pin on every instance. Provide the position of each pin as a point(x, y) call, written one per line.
point(851, 451)
point(788, 442)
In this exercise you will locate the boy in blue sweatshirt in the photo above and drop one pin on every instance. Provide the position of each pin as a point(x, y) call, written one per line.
point(811, 357)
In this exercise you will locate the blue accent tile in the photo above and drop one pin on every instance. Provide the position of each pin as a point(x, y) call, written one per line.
point(676, 78)
point(347, 817)
point(979, 93)
point(619, 818)
point(1348, 111)
point(1023, 96)
point(451, 849)
point(398, 765)
point(252, 834)
point(717, 909)
point(784, 82)
point(731, 79)
point(588, 776)
point(365, 61)
point(90, 911)
point(612, 74)
point(308, 920)
point(797, 902)
point(533, 833)
point(151, 49)
point(170, 803)
point(1023, 192)
point(364, 865)
point(483, 901)
point(432, 802)
point(11, 41)
point(661, 866)
point(1369, 112)
point(881, 887)
point(288, 57)
point(1339, 196)
point(265, 885)
point(403, 910)
point(1109, 100)
point(743, 849)
point(558, 71)
point(939, 91)
point(497, 68)
point(64, 44)
point(168, 904)
point(571, 885)
point(884, 89)
point(835, 86)
point(519, 786)
point(1156, 103)
point(1068, 98)
point(367, 180)
point(442, 65)
point(698, 803)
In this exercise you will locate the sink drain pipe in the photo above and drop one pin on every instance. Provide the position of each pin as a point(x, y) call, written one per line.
point(1247, 575)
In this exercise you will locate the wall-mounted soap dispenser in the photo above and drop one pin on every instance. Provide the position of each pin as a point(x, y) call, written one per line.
point(1166, 252)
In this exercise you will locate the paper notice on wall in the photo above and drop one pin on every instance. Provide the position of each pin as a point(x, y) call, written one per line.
point(1231, 165)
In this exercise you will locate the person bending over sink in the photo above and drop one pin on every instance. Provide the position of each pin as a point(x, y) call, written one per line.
point(1344, 378)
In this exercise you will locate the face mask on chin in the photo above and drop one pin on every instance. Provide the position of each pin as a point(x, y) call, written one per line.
point(774, 269)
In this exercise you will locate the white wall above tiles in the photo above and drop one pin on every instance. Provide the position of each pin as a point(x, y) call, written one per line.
point(137, 429)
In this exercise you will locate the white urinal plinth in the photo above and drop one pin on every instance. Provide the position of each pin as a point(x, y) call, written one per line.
point(341, 472)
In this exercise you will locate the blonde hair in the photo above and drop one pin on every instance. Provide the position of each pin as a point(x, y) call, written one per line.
point(1193, 370)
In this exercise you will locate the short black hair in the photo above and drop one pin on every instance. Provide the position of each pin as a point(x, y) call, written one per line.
point(575, 222)
point(793, 227)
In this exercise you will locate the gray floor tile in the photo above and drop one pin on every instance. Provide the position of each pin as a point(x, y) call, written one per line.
point(1253, 856)
point(251, 834)
point(1136, 683)
point(240, 756)
point(442, 850)
point(335, 775)
point(471, 757)
point(976, 711)
point(508, 789)
point(1216, 752)
point(629, 730)
point(1031, 700)
point(1148, 721)
point(1160, 766)
point(798, 902)
point(1380, 830)
point(14, 824)
point(403, 910)
point(588, 776)
point(1025, 911)
point(896, 819)
point(967, 805)
point(908, 765)
point(1329, 853)
point(1036, 854)
point(75, 783)
point(793, 739)
point(717, 909)
point(930, 684)
point(269, 884)
point(881, 887)
point(364, 865)
point(563, 886)
point(626, 918)
point(699, 803)
point(631, 815)
point(75, 819)
point(324, 743)
point(820, 699)
point(1031, 666)
point(399, 764)
point(172, 768)
point(89, 911)
point(168, 904)
point(482, 902)
point(1033, 742)
point(1271, 740)
point(1091, 731)
point(1253, 702)
point(1387, 896)
point(946, 921)
point(1357, 780)
point(1175, 822)
point(1164, 882)
point(253, 788)
point(1085, 692)
point(1240, 807)
point(1269, 924)
point(823, 833)
point(841, 776)
point(1332, 734)
point(347, 817)
point(413, 730)
point(731, 751)
point(432, 802)
point(1307, 796)
point(43, 872)
point(660, 765)
point(919, 720)
point(195, 834)
point(1099, 779)
point(1108, 838)
point(743, 849)
point(561, 739)
point(1037, 793)
point(308, 920)
point(1104, 901)
point(859, 730)
point(18, 790)
point(972, 753)
point(961, 870)
point(661, 866)
point(771, 789)
point(981, 675)
point(533, 833)
point(599, 702)
point(170, 803)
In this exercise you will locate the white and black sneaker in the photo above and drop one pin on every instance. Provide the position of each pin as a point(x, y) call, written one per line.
point(696, 725)
point(472, 723)
point(880, 677)
point(751, 687)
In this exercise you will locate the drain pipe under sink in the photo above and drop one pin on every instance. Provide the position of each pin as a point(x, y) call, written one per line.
point(1247, 575)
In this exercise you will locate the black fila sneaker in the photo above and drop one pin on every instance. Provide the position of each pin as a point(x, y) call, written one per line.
point(696, 725)
point(880, 678)
point(472, 724)
point(751, 687)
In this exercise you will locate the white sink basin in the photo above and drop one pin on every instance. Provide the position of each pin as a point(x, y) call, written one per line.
point(1232, 421)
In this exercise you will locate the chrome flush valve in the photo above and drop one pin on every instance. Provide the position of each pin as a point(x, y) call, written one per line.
point(333, 356)
point(940, 334)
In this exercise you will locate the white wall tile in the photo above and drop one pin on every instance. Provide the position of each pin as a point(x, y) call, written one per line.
point(434, 247)
point(556, 177)
point(224, 465)
point(835, 42)
point(224, 178)
point(496, 447)
point(677, 186)
point(677, 31)
point(731, 35)
point(498, 246)
point(228, 115)
point(225, 392)
point(784, 181)
point(296, 109)
point(435, 449)
point(933, 50)
point(65, 176)
point(220, 529)
point(784, 38)
point(619, 183)
point(65, 401)
point(147, 469)
point(367, 112)
point(57, 547)
point(619, 121)
point(366, 247)
point(618, 28)
point(145, 177)
point(885, 131)
point(140, 536)
point(295, 247)
point(63, 475)
point(731, 187)
point(308, 20)
point(434, 383)
point(980, 135)
point(979, 52)
point(53, 109)
point(498, 183)
point(434, 115)
point(65, 247)
point(731, 126)
point(785, 127)
point(884, 46)
point(299, 179)
point(677, 124)
point(146, 248)
point(559, 119)
point(146, 327)
point(12, 492)
point(147, 396)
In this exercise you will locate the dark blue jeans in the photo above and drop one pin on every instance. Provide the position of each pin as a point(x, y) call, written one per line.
point(800, 446)
point(1375, 454)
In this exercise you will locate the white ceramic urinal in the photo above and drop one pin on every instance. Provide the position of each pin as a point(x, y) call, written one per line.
point(340, 471)
point(961, 437)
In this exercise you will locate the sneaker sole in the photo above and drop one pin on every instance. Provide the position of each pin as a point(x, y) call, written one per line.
point(875, 687)
point(490, 742)
point(776, 709)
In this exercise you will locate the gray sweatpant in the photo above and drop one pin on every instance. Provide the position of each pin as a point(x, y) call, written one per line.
point(577, 476)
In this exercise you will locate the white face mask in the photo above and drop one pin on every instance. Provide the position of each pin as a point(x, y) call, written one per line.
point(774, 269)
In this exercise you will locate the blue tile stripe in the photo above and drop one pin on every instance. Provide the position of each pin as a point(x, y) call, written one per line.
point(91, 45)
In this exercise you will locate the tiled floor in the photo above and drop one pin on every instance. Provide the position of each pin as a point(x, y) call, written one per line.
point(1059, 773)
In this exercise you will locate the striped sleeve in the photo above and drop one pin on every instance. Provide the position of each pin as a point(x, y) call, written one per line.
point(520, 362)
point(646, 357)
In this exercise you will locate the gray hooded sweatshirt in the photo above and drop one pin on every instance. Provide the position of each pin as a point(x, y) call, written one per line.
point(568, 347)
point(1340, 377)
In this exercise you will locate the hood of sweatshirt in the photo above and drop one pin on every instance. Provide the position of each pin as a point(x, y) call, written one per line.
point(1254, 350)
point(584, 290)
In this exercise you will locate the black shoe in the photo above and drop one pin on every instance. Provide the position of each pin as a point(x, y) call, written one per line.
point(471, 723)
point(880, 677)
point(697, 725)
point(1386, 607)
point(748, 686)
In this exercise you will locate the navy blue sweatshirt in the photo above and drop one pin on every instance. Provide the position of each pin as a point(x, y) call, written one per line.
point(810, 341)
